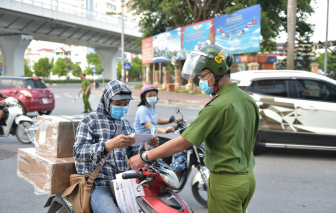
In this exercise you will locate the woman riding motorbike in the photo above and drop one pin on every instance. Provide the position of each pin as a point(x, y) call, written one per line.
point(147, 117)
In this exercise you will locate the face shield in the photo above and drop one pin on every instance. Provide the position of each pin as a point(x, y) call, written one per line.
point(194, 64)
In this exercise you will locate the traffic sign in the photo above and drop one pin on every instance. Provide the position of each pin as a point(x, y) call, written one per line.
point(94, 70)
point(127, 66)
point(0, 69)
point(0, 64)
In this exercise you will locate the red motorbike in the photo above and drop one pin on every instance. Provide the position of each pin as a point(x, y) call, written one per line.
point(158, 181)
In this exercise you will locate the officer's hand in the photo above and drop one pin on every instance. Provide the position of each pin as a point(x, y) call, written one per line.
point(135, 162)
point(120, 141)
point(154, 141)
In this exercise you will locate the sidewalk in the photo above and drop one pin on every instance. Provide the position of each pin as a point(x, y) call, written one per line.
point(195, 101)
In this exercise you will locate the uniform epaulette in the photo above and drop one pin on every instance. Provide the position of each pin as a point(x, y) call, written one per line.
point(211, 100)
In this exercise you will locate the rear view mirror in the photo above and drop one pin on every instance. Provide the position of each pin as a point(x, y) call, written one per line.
point(177, 110)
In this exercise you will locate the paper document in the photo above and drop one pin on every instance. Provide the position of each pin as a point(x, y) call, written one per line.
point(141, 138)
point(126, 192)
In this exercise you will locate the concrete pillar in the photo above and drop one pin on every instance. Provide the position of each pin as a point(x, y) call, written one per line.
point(148, 76)
point(166, 79)
point(156, 78)
point(109, 59)
point(314, 67)
point(190, 86)
point(12, 48)
point(177, 79)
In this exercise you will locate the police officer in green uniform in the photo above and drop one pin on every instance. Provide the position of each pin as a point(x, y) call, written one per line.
point(85, 87)
point(228, 125)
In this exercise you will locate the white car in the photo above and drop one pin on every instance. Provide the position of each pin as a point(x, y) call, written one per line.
point(297, 108)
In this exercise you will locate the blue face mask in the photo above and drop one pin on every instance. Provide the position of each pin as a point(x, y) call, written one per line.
point(117, 112)
point(205, 86)
point(151, 101)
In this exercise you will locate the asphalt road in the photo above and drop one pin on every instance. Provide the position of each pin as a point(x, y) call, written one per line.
point(298, 181)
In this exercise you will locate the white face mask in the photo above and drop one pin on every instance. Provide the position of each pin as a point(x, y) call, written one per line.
point(151, 101)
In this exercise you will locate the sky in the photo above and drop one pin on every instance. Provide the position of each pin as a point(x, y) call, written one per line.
point(319, 18)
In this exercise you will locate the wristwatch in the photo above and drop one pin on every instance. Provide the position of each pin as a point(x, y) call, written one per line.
point(143, 156)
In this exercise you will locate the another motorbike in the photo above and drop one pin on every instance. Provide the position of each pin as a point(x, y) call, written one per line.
point(195, 157)
point(16, 124)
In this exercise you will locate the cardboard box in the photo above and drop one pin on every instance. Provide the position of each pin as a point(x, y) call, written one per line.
point(56, 134)
point(48, 174)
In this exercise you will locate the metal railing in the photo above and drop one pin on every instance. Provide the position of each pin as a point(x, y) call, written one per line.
point(63, 7)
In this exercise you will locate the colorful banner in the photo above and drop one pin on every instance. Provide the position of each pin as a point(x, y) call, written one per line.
point(198, 35)
point(147, 50)
point(167, 46)
point(239, 32)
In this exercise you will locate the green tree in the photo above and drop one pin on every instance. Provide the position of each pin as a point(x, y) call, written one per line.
point(60, 68)
point(42, 67)
point(68, 63)
point(93, 59)
point(136, 68)
point(27, 70)
point(76, 70)
point(119, 69)
point(161, 16)
point(331, 66)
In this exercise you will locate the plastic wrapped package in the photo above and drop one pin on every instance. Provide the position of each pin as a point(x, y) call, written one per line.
point(55, 135)
point(48, 175)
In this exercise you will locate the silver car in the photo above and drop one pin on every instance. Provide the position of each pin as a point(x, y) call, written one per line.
point(297, 108)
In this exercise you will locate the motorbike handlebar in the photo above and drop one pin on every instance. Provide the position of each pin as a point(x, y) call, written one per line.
point(131, 175)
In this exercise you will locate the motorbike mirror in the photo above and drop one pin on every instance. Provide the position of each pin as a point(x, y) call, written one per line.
point(177, 110)
point(172, 119)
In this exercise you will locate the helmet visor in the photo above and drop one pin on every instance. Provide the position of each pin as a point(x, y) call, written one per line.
point(194, 64)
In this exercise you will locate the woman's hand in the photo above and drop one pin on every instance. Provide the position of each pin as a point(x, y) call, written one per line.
point(154, 141)
point(170, 128)
point(120, 141)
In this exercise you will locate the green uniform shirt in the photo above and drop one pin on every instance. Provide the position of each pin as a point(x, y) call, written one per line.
point(229, 126)
point(85, 84)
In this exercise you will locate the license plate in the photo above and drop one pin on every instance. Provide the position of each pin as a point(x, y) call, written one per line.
point(45, 100)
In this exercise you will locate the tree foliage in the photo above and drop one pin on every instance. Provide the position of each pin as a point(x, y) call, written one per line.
point(60, 68)
point(42, 67)
point(94, 60)
point(27, 70)
point(76, 70)
point(158, 16)
point(331, 66)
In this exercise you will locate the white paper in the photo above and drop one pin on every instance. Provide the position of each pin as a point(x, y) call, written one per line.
point(141, 138)
point(126, 192)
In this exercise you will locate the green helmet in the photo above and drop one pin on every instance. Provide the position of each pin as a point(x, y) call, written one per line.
point(212, 57)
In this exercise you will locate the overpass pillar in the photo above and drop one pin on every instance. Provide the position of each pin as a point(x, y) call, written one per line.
point(12, 48)
point(109, 58)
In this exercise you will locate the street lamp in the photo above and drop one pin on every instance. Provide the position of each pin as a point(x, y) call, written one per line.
point(326, 43)
point(122, 42)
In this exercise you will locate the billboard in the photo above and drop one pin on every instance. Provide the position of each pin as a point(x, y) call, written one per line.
point(147, 50)
point(198, 35)
point(167, 46)
point(239, 32)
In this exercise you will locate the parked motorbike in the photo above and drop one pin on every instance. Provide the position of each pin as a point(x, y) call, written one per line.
point(16, 124)
point(195, 157)
point(157, 179)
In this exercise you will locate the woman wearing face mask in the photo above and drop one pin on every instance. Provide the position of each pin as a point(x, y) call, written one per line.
point(146, 115)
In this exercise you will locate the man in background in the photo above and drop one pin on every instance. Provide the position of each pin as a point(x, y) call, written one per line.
point(86, 93)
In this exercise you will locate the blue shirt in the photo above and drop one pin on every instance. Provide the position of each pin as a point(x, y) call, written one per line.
point(144, 115)
point(93, 131)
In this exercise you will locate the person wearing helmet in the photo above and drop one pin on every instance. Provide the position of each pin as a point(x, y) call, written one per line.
point(228, 125)
point(96, 137)
point(146, 115)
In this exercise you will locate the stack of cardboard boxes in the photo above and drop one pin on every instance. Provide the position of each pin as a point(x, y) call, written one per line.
point(49, 165)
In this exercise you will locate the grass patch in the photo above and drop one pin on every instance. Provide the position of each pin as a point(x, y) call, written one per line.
point(138, 86)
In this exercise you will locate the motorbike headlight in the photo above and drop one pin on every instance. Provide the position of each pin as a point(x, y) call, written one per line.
point(170, 178)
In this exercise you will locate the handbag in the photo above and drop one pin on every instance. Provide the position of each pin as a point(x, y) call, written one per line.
point(81, 187)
